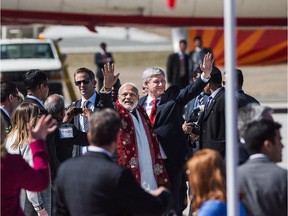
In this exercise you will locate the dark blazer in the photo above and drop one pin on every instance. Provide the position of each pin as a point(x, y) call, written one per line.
point(102, 101)
point(173, 70)
point(94, 185)
point(60, 148)
point(100, 63)
point(31, 100)
point(264, 185)
point(243, 99)
point(169, 120)
point(212, 128)
point(7, 121)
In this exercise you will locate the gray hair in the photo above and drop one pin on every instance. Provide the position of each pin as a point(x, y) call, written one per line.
point(128, 84)
point(151, 72)
point(55, 104)
point(250, 113)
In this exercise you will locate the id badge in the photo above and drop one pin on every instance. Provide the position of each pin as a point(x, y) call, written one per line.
point(66, 132)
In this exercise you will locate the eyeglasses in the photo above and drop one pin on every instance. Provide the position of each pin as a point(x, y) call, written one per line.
point(86, 81)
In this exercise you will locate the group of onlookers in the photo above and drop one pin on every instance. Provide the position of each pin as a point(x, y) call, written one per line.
point(114, 153)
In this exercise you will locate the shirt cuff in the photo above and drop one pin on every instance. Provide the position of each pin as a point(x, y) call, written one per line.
point(103, 90)
point(204, 79)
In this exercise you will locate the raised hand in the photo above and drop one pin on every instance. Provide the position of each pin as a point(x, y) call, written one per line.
point(44, 126)
point(109, 78)
point(207, 65)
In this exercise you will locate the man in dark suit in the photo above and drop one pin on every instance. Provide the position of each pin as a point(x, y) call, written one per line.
point(169, 120)
point(196, 56)
point(101, 58)
point(84, 79)
point(10, 99)
point(95, 185)
point(261, 180)
point(242, 98)
point(37, 86)
point(212, 130)
point(60, 142)
point(178, 66)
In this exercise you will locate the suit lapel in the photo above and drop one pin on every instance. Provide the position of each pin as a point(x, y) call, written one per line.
point(213, 101)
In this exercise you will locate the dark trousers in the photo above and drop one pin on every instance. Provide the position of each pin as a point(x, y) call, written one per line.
point(178, 185)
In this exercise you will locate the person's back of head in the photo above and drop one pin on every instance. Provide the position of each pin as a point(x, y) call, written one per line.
point(104, 126)
point(240, 78)
point(215, 80)
point(207, 177)
point(25, 113)
point(55, 105)
point(251, 112)
point(259, 134)
point(33, 78)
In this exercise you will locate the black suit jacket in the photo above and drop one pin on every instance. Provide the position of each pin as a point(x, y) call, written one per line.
point(7, 121)
point(243, 99)
point(102, 101)
point(169, 120)
point(31, 100)
point(94, 185)
point(213, 124)
point(173, 70)
point(60, 149)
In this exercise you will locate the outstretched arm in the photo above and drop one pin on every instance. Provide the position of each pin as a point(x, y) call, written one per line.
point(109, 78)
point(207, 65)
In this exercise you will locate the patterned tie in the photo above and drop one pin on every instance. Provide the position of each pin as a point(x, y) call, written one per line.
point(85, 119)
point(208, 103)
point(153, 111)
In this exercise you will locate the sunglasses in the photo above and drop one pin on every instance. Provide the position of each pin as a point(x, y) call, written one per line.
point(82, 81)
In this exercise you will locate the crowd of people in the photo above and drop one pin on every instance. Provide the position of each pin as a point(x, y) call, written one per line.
point(114, 153)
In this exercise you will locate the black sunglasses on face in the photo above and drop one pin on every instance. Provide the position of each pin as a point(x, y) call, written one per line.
point(82, 81)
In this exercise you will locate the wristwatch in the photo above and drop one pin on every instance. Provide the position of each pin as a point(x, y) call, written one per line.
point(38, 208)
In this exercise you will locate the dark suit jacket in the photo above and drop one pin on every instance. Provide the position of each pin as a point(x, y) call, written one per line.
point(102, 101)
point(94, 185)
point(31, 100)
point(244, 99)
point(7, 121)
point(100, 64)
point(169, 120)
point(60, 149)
point(264, 185)
point(173, 70)
point(213, 124)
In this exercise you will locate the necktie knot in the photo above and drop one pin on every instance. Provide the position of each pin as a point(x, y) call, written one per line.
point(86, 103)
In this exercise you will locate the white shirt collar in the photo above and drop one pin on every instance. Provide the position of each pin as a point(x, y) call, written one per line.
point(92, 99)
point(215, 92)
point(99, 149)
point(35, 98)
point(149, 100)
point(257, 155)
point(5, 111)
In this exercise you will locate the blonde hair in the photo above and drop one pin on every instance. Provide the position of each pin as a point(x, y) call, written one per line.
point(207, 177)
point(24, 113)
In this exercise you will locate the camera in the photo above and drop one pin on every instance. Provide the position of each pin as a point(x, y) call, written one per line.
point(194, 118)
point(77, 111)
